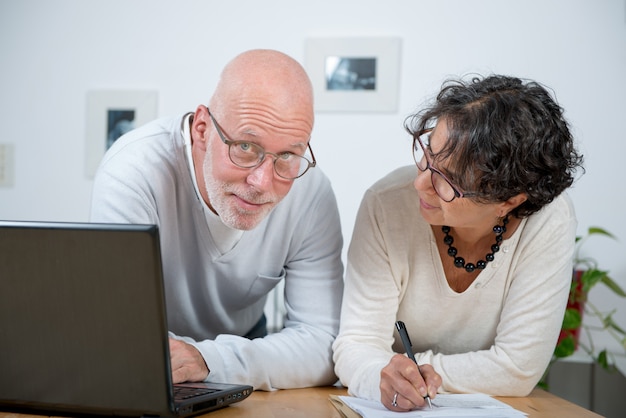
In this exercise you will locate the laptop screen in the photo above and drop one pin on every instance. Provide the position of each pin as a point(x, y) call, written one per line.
point(82, 318)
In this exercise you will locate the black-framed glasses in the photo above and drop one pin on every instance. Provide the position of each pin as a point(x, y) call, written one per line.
point(442, 185)
point(246, 154)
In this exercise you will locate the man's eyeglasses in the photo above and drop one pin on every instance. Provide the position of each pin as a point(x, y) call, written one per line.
point(245, 154)
point(444, 187)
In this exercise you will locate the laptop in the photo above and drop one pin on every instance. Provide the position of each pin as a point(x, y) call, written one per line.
point(83, 326)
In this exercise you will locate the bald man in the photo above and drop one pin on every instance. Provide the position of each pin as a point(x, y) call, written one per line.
point(240, 207)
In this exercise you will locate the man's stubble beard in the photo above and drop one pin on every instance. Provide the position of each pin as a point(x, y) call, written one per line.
point(219, 194)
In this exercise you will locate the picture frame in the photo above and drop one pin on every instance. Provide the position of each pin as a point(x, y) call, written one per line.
point(111, 113)
point(354, 74)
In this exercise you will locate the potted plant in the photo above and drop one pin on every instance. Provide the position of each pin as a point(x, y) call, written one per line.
point(585, 277)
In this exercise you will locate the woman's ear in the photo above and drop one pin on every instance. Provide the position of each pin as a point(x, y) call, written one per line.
point(513, 202)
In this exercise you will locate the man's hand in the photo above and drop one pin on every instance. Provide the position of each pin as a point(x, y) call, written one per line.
point(187, 363)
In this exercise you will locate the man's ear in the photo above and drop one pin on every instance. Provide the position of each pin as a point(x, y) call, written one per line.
point(199, 127)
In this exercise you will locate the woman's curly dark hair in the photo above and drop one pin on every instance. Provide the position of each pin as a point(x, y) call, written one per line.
point(506, 137)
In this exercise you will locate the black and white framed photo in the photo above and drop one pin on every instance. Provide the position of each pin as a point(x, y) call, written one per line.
point(110, 114)
point(354, 74)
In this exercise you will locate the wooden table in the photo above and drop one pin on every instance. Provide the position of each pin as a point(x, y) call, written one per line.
point(314, 402)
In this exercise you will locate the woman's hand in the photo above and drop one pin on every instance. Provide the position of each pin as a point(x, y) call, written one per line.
point(404, 385)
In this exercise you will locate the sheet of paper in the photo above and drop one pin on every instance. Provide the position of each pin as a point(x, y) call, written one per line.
point(444, 405)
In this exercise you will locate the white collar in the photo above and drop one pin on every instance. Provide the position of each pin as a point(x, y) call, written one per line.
point(224, 236)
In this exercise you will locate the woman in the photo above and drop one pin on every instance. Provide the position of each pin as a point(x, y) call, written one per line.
point(472, 250)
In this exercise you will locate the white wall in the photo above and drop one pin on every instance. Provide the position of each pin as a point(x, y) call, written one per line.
point(53, 52)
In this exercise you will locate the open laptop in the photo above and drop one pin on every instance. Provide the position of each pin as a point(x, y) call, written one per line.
point(83, 327)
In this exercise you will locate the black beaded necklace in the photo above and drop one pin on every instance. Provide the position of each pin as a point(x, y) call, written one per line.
point(480, 264)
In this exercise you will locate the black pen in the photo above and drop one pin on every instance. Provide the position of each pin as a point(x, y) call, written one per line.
point(406, 341)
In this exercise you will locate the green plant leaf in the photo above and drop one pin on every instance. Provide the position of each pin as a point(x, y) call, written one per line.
point(609, 323)
point(591, 277)
point(572, 319)
point(603, 360)
point(613, 286)
point(586, 263)
point(595, 230)
point(565, 347)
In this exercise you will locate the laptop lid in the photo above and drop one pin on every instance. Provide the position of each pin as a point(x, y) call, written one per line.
point(83, 326)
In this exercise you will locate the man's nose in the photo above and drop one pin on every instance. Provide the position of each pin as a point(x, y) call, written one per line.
point(262, 176)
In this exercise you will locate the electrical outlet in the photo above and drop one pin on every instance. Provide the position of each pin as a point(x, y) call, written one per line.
point(7, 165)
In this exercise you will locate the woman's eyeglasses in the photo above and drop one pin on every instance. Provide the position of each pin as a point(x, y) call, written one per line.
point(444, 187)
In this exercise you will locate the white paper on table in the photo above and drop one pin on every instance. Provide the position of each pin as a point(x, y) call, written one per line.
point(444, 405)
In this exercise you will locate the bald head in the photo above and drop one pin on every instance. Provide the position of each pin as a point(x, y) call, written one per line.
point(264, 80)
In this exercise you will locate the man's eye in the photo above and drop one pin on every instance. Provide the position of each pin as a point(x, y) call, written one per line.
point(245, 146)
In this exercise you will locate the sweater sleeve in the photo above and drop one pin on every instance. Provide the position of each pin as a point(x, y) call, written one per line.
point(370, 303)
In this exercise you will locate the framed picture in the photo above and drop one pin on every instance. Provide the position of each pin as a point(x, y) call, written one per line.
point(354, 74)
point(110, 114)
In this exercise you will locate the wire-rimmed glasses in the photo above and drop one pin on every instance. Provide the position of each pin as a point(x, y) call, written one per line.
point(246, 154)
point(444, 187)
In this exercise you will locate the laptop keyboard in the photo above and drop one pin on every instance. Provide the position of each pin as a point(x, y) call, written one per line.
point(183, 392)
